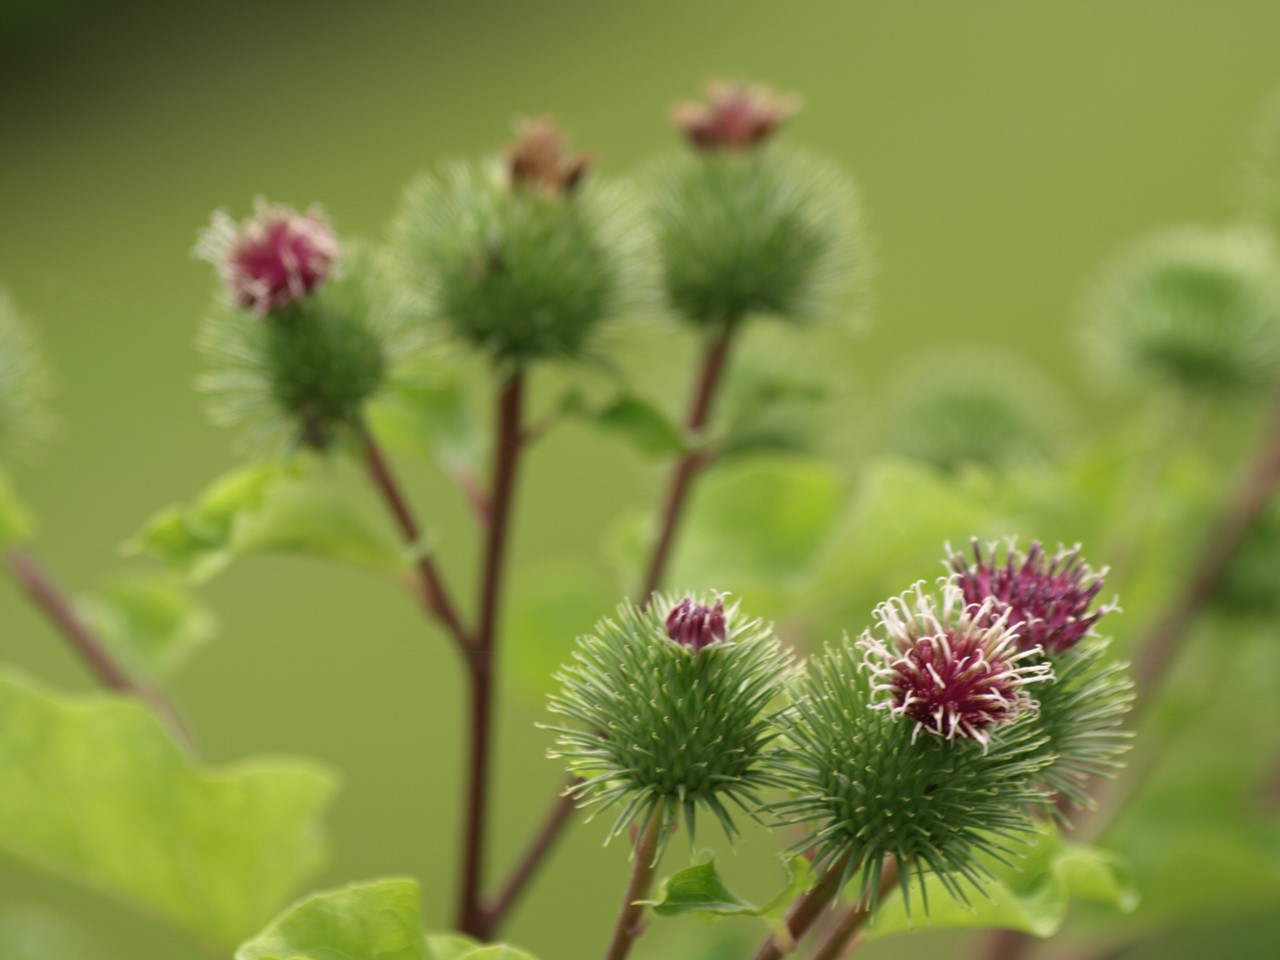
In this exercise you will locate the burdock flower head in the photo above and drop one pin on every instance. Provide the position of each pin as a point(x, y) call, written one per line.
point(540, 159)
point(670, 708)
point(272, 259)
point(953, 670)
point(737, 116)
point(1046, 600)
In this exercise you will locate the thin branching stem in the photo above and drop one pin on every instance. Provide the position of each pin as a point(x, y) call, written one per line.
point(805, 911)
point(559, 816)
point(433, 592)
point(630, 923)
point(844, 939)
point(508, 440)
point(45, 593)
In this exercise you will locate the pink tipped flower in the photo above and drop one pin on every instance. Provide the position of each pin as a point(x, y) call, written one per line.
point(696, 625)
point(736, 116)
point(1046, 600)
point(273, 259)
point(956, 672)
point(540, 159)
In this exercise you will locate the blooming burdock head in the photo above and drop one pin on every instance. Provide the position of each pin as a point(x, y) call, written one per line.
point(540, 159)
point(696, 625)
point(953, 669)
point(736, 116)
point(1046, 599)
point(272, 259)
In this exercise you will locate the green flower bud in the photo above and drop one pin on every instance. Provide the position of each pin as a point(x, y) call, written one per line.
point(762, 230)
point(672, 705)
point(25, 385)
point(877, 779)
point(1193, 308)
point(524, 261)
point(298, 367)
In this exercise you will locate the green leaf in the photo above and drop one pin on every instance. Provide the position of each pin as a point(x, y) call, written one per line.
point(699, 890)
point(772, 408)
point(632, 418)
point(16, 522)
point(435, 415)
point(378, 920)
point(270, 507)
point(370, 921)
point(95, 789)
point(151, 623)
point(1033, 896)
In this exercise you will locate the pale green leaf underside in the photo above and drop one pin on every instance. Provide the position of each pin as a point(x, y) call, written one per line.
point(95, 789)
point(271, 507)
point(1034, 899)
point(377, 920)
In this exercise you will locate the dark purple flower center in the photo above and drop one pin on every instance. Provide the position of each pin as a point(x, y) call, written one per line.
point(278, 260)
point(1048, 599)
point(696, 625)
point(737, 117)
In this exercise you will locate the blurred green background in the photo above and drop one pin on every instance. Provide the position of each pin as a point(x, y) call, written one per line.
point(1002, 150)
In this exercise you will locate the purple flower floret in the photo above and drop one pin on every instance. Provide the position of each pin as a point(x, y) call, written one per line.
point(954, 670)
point(696, 625)
point(736, 116)
point(1046, 599)
point(272, 259)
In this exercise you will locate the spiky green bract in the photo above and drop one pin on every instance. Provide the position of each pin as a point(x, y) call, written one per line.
point(25, 385)
point(766, 231)
point(655, 723)
point(1081, 712)
point(871, 790)
point(302, 374)
point(1194, 308)
point(521, 274)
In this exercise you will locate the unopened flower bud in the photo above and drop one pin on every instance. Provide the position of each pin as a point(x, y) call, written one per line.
point(736, 116)
point(696, 625)
point(272, 259)
point(540, 159)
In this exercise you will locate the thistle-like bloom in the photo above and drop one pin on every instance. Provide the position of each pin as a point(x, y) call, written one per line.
point(272, 259)
point(696, 625)
point(540, 159)
point(736, 116)
point(954, 670)
point(1046, 600)
point(678, 726)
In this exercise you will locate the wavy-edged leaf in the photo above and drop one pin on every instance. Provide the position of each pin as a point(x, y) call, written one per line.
point(268, 507)
point(16, 522)
point(699, 890)
point(632, 418)
point(381, 920)
point(152, 623)
point(95, 789)
point(433, 415)
point(1033, 896)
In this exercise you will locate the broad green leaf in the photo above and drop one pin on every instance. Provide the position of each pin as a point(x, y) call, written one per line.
point(151, 623)
point(700, 890)
point(370, 921)
point(772, 410)
point(378, 920)
point(448, 946)
point(95, 789)
point(632, 418)
point(269, 507)
point(15, 520)
point(1033, 896)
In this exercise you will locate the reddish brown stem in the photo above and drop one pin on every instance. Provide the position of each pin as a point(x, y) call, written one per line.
point(473, 919)
point(435, 596)
point(630, 924)
point(686, 468)
point(805, 911)
point(841, 941)
point(713, 363)
point(55, 605)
